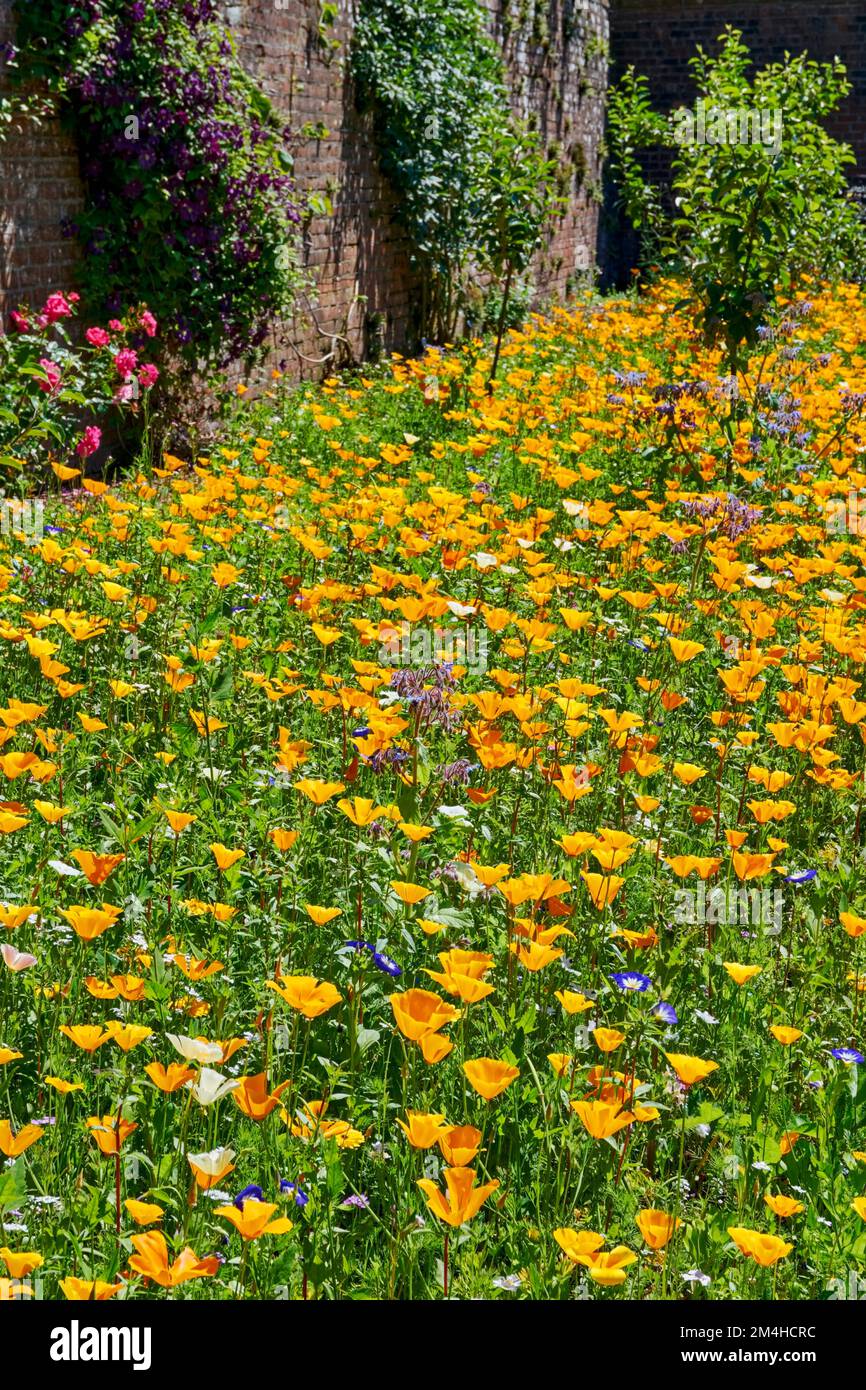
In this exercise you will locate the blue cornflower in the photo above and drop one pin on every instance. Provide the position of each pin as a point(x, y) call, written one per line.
point(631, 981)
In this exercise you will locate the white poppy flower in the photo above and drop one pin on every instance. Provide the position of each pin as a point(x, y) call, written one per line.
point(212, 1163)
point(16, 960)
point(194, 1050)
point(211, 1086)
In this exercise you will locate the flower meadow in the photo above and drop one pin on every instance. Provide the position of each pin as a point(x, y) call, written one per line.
point(431, 835)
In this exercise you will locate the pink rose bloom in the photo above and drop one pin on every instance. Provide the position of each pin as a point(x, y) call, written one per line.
point(53, 376)
point(56, 307)
point(74, 298)
point(115, 325)
point(148, 376)
point(89, 442)
point(97, 337)
point(19, 322)
point(148, 323)
point(126, 362)
point(124, 393)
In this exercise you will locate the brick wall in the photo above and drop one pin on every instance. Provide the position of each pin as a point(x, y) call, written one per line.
point(556, 59)
point(38, 185)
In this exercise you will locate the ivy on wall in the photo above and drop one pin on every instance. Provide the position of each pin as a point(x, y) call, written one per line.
point(432, 77)
point(433, 80)
point(476, 188)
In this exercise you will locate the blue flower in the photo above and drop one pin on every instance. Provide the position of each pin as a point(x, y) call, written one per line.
point(291, 1189)
point(666, 1012)
point(849, 1055)
point(631, 982)
point(386, 964)
point(805, 876)
point(251, 1191)
point(357, 946)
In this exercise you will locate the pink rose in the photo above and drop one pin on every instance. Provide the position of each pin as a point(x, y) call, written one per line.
point(148, 376)
point(97, 337)
point(115, 325)
point(52, 375)
point(126, 362)
point(148, 323)
point(19, 322)
point(89, 442)
point(56, 307)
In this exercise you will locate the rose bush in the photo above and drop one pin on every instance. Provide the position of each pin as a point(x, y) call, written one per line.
point(53, 390)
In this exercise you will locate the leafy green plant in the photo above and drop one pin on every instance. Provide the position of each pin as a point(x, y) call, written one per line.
point(517, 201)
point(758, 188)
point(474, 189)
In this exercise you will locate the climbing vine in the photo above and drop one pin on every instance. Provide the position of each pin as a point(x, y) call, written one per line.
point(191, 204)
point(432, 78)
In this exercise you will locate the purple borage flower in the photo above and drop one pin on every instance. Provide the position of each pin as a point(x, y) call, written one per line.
point(380, 960)
point(631, 981)
point(291, 1189)
point(386, 964)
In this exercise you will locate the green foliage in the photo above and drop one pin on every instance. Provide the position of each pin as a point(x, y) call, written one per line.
point(758, 185)
point(474, 191)
point(517, 200)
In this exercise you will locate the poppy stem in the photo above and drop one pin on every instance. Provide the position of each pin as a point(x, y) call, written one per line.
point(445, 1265)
